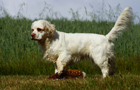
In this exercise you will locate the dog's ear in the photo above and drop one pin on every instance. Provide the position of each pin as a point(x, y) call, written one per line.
point(50, 30)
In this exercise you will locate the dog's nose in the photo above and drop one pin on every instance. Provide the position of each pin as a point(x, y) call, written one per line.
point(33, 35)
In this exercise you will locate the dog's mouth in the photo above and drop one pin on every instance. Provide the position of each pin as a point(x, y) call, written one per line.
point(33, 36)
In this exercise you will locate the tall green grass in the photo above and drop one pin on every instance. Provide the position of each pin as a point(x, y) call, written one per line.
point(19, 55)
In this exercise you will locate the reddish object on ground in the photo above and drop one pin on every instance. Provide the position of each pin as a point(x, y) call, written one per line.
point(55, 76)
point(68, 74)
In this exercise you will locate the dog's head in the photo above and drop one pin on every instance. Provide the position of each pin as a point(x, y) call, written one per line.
point(42, 29)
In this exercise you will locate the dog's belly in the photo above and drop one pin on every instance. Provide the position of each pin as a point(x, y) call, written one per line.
point(78, 57)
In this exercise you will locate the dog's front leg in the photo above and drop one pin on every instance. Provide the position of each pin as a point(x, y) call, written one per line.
point(62, 61)
point(56, 71)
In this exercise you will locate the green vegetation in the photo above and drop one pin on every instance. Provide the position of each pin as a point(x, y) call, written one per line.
point(21, 56)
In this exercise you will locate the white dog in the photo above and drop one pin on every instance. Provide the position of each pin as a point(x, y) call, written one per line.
point(64, 49)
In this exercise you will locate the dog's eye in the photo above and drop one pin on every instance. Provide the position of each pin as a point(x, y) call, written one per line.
point(39, 29)
point(32, 30)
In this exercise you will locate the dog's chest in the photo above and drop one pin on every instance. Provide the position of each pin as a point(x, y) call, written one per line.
point(49, 53)
point(51, 56)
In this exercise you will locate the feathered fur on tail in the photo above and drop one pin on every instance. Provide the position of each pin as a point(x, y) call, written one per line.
point(123, 22)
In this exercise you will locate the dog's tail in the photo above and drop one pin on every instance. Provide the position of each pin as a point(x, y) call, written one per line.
point(123, 22)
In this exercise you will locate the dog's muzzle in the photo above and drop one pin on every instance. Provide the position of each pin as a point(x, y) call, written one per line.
point(33, 36)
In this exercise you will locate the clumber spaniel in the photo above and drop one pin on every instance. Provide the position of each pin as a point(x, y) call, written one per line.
point(64, 49)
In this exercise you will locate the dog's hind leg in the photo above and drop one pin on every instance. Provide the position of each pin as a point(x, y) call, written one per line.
point(105, 69)
point(103, 64)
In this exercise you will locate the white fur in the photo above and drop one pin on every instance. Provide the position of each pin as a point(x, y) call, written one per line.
point(64, 49)
point(84, 74)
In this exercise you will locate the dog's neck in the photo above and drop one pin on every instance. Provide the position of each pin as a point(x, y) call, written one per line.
point(45, 44)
